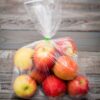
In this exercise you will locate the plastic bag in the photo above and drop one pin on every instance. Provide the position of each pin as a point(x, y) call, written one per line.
point(49, 64)
point(47, 14)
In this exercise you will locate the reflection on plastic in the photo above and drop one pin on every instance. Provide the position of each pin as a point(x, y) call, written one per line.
point(47, 13)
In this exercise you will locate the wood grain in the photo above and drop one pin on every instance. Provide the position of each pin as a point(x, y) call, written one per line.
point(89, 63)
point(77, 16)
point(80, 20)
point(86, 41)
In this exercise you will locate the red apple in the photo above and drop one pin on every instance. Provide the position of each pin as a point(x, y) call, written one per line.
point(66, 46)
point(44, 56)
point(78, 87)
point(65, 68)
point(24, 86)
point(38, 76)
point(53, 86)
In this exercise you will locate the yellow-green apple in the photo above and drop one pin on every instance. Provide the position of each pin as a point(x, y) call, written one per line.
point(78, 86)
point(66, 46)
point(24, 86)
point(65, 68)
point(53, 86)
point(38, 75)
point(44, 56)
point(23, 58)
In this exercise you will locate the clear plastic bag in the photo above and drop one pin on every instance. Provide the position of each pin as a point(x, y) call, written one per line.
point(47, 15)
point(49, 64)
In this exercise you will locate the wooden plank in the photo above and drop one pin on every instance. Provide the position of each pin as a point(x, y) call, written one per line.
point(4, 97)
point(79, 22)
point(76, 16)
point(86, 41)
point(19, 6)
point(83, 1)
point(89, 62)
point(67, 1)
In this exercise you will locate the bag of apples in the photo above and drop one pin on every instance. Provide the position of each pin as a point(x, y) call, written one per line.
point(48, 67)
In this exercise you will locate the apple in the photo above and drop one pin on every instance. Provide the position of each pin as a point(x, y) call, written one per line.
point(24, 86)
point(65, 68)
point(53, 86)
point(66, 46)
point(38, 76)
point(23, 58)
point(44, 56)
point(44, 43)
point(78, 86)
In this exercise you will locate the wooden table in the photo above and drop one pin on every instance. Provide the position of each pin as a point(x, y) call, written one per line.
point(89, 63)
point(81, 21)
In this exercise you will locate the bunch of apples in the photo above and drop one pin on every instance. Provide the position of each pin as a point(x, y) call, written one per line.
point(52, 67)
